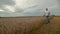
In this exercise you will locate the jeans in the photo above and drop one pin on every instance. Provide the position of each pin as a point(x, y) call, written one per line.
point(47, 19)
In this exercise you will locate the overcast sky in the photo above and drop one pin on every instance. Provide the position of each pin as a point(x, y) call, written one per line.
point(12, 8)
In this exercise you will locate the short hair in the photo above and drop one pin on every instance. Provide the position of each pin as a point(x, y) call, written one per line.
point(46, 8)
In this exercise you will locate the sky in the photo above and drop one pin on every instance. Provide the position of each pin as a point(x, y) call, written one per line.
point(13, 8)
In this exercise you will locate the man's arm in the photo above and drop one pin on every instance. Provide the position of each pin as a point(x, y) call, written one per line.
point(44, 14)
point(49, 13)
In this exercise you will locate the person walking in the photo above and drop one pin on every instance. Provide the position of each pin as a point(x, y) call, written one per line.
point(47, 15)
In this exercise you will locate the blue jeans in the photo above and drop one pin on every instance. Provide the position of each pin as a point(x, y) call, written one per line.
point(47, 19)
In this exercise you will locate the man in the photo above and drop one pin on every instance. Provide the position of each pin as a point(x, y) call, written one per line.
point(47, 15)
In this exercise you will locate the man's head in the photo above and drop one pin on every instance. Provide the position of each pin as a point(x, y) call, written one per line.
point(46, 9)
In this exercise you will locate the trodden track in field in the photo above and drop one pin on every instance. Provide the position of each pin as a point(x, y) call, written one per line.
point(52, 28)
point(14, 25)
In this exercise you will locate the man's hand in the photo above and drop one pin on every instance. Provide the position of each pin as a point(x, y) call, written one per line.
point(43, 15)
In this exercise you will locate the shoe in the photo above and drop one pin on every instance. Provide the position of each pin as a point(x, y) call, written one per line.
point(49, 22)
point(46, 23)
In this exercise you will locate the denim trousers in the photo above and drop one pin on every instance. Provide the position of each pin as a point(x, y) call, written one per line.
point(47, 19)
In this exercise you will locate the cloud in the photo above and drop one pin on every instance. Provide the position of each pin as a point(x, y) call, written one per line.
point(28, 7)
point(18, 10)
point(33, 11)
point(10, 8)
point(25, 3)
point(1, 10)
point(7, 2)
point(58, 3)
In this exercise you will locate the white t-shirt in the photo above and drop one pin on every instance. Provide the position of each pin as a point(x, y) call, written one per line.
point(47, 13)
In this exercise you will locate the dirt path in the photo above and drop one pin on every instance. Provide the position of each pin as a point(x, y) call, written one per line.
point(57, 25)
point(49, 28)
